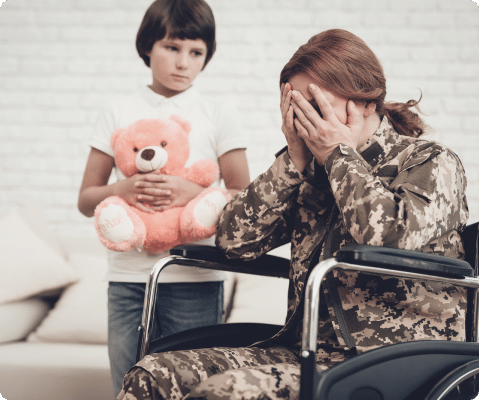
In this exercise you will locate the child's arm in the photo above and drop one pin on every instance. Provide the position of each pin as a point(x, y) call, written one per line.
point(234, 170)
point(165, 191)
point(95, 188)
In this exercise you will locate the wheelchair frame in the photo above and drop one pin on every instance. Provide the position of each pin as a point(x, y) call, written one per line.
point(265, 265)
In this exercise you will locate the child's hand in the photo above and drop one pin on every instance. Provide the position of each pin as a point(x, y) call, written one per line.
point(297, 149)
point(128, 191)
point(161, 192)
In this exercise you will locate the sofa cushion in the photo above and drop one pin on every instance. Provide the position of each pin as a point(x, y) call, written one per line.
point(80, 315)
point(20, 318)
point(28, 266)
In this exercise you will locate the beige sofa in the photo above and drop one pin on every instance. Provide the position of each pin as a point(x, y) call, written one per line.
point(53, 309)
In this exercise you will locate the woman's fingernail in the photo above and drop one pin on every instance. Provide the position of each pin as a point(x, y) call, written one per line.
point(294, 93)
point(311, 86)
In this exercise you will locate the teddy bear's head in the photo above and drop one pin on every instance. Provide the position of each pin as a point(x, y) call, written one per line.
point(151, 144)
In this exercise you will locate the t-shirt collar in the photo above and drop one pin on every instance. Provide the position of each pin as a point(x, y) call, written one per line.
point(180, 100)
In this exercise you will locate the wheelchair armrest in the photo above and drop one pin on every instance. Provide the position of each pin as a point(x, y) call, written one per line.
point(266, 265)
point(405, 260)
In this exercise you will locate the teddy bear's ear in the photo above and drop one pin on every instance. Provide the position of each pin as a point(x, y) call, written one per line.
point(184, 124)
point(114, 136)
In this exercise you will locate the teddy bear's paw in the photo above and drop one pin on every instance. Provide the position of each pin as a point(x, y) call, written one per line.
point(201, 215)
point(118, 227)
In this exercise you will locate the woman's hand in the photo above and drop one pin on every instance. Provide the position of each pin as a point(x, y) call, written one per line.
point(298, 151)
point(161, 192)
point(323, 134)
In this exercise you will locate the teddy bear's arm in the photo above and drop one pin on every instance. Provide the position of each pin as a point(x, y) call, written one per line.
point(203, 172)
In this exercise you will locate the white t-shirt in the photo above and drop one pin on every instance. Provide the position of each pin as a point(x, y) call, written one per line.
point(215, 130)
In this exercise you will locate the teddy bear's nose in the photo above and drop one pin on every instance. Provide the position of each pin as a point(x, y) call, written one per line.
point(148, 154)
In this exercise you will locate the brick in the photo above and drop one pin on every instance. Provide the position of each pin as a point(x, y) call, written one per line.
point(462, 105)
point(467, 18)
point(443, 121)
point(438, 87)
point(9, 65)
point(378, 5)
point(457, 5)
point(121, 34)
point(56, 4)
point(417, 70)
point(460, 71)
point(471, 123)
point(239, 17)
point(41, 66)
point(77, 33)
point(58, 17)
point(9, 15)
point(434, 53)
point(292, 4)
point(21, 115)
point(16, 99)
point(412, 36)
point(286, 16)
point(468, 87)
point(469, 53)
point(105, 18)
point(65, 117)
point(266, 35)
point(69, 82)
point(411, 5)
point(431, 19)
point(383, 18)
point(457, 36)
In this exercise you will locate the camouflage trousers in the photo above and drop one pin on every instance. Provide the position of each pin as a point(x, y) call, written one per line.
point(215, 373)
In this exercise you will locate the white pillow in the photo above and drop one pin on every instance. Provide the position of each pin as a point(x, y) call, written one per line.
point(80, 315)
point(259, 299)
point(28, 266)
point(20, 318)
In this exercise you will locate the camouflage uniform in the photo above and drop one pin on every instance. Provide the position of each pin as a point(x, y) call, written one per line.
point(394, 191)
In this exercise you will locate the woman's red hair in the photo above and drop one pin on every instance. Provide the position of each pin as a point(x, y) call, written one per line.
point(342, 63)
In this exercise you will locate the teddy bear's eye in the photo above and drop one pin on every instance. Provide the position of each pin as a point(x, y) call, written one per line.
point(135, 149)
point(163, 144)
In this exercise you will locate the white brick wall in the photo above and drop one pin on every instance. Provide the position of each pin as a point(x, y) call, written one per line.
point(60, 60)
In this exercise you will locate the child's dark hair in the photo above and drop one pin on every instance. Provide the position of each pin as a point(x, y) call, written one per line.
point(179, 19)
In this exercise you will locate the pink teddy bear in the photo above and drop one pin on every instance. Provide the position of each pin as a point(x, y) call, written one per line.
point(159, 144)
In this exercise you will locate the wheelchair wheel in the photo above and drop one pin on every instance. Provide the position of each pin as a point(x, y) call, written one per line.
point(461, 383)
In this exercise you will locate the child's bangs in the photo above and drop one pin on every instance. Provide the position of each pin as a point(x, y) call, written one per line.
point(186, 31)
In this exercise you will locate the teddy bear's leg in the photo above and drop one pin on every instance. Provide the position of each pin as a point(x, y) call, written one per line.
point(119, 227)
point(201, 215)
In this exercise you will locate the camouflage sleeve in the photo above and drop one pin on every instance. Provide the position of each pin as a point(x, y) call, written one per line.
point(425, 200)
point(257, 219)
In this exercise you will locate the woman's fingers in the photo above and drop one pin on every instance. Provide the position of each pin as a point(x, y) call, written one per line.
point(285, 89)
point(304, 111)
point(322, 102)
point(302, 131)
point(354, 122)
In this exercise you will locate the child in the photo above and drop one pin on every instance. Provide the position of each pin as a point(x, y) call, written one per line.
point(176, 40)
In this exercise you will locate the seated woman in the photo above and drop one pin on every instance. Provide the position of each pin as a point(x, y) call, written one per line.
point(355, 171)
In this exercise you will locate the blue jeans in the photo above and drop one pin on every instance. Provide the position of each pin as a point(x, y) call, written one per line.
point(179, 306)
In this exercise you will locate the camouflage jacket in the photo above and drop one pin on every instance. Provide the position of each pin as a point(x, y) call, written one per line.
point(394, 191)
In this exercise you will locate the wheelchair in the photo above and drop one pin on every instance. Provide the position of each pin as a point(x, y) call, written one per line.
point(426, 369)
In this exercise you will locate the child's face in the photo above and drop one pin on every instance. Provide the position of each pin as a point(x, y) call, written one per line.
point(175, 64)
